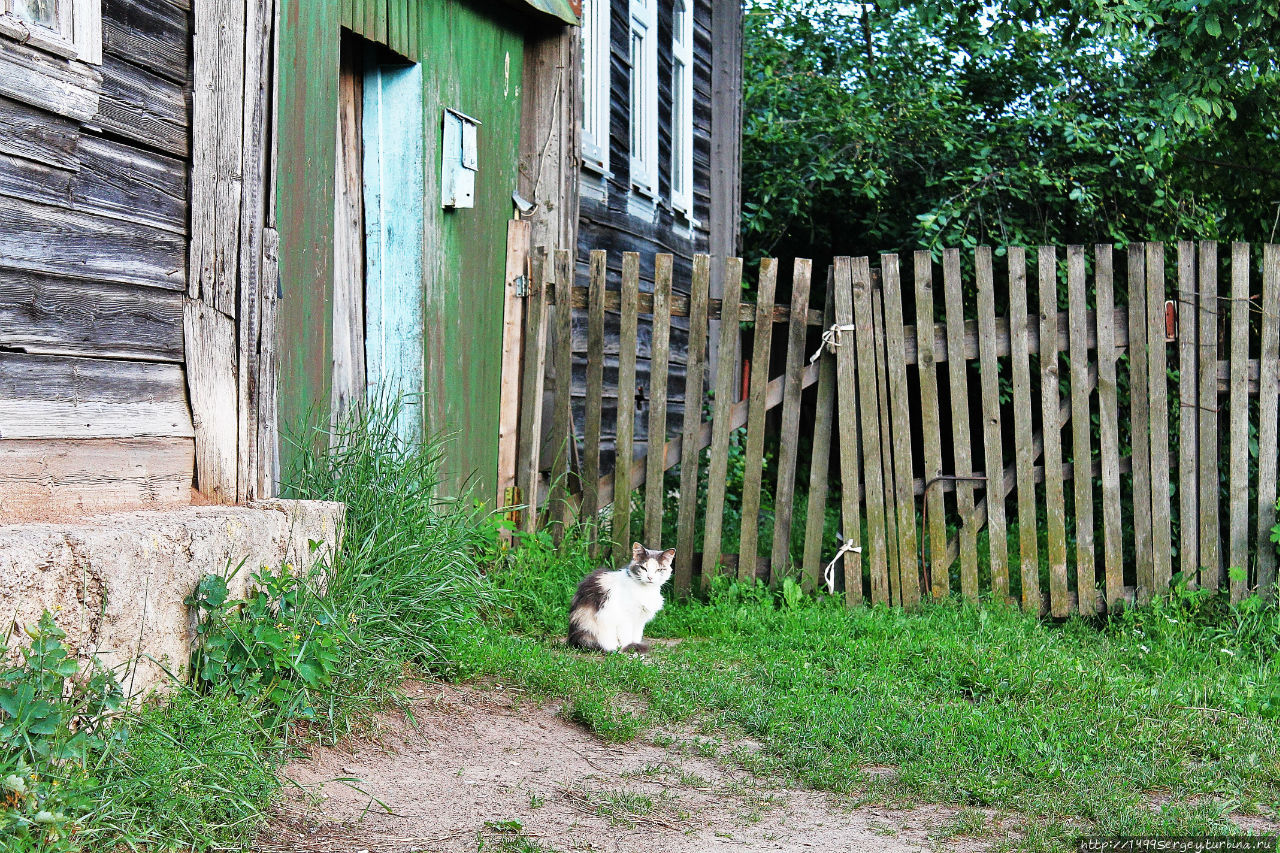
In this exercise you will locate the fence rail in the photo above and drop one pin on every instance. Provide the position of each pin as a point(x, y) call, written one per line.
point(1064, 429)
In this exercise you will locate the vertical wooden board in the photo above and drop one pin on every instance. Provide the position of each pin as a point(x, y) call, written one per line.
point(900, 430)
point(1210, 538)
point(1024, 458)
point(595, 393)
point(621, 529)
point(992, 439)
point(718, 458)
point(211, 385)
point(559, 508)
point(1081, 440)
point(1109, 427)
point(1268, 403)
point(749, 538)
point(532, 383)
point(850, 466)
point(893, 550)
point(512, 344)
point(1238, 407)
point(1188, 468)
point(690, 448)
point(1139, 418)
point(931, 427)
point(655, 456)
point(268, 438)
point(788, 451)
point(1158, 383)
point(872, 461)
point(958, 371)
point(1051, 431)
point(819, 462)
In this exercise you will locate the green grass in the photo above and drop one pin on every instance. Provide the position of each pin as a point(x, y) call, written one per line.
point(1161, 720)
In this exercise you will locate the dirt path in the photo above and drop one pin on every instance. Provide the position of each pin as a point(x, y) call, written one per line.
point(484, 771)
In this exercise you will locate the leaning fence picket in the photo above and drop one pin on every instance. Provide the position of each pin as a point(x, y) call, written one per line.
point(820, 460)
point(958, 371)
point(1188, 469)
point(850, 464)
point(1238, 409)
point(931, 426)
point(1139, 417)
point(1051, 430)
point(1158, 400)
point(1109, 427)
point(690, 449)
point(1210, 542)
point(900, 432)
point(893, 550)
point(1081, 441)
point(718, 464)
point(1268, 403)
point(593, 402)
point(992, 440)
point(751, 481)
point(872, 461)
point(532, 386)
point(655, 455)
point(1024, 457)
point(788, 451)
point(626, 425)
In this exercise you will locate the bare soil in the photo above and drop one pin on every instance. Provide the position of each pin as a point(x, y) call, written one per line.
point(482, 769)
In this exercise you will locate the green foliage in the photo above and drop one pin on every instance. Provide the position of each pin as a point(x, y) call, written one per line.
point(281, 639)
point(903, 125)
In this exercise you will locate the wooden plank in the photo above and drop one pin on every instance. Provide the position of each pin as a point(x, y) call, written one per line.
point(512, 346)
point(820, 460)
point(1024, 459)
point(35, 182)
point(1268, 404)
point(992, 439)
point(1188, 465)
point(847, 401)
point(68, 398)
point(931, 427)
point(1139, 417)
point(1108, 427)
point(872, 462)
point(349, 377)
point(654, 496)
point(1207, 347)
point(749, 537)
point(125, 182)
point(718, 458)
point(1238, 407)
point(39, 135)
point(151, 110)
point(40, 238)
point(268, 435)
point(33, 77)
point(40, 478)
point(1081, 425)
point(693, 389)
point(211, 385)
point(900, 406)
point(150, 33)
point(893, 551)
point(559, 509)
point(621, 530)
point(532, 384)
point(1158, 382)
point(595, 381)
point(51, 315)
point(1051, 430)
point(962, 442)
point(789, 449)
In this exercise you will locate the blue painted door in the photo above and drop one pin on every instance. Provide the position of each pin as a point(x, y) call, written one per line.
point(393, 199)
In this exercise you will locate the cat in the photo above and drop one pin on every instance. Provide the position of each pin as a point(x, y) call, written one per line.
point(612, 606)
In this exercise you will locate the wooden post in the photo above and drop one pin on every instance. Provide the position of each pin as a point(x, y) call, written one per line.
point(512, 345)
point(532, 384)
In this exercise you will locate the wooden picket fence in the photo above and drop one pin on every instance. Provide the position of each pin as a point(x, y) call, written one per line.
point(1160, 390)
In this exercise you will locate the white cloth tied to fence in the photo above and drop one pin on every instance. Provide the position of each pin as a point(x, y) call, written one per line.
point(831, 339)
point(829, 574)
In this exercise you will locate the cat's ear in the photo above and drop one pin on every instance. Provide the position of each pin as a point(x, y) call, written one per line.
point(668, 556)
point(638, 552)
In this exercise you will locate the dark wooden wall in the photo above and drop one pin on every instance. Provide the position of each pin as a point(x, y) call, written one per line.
point(608, 225)
point(93, 266)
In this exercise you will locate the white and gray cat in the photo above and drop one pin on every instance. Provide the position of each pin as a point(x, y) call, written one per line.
point(612, 606)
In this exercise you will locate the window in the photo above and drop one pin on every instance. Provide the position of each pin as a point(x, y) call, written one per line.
point(682, 108)
point(644, 96)
point(68, 28)
point(595, 83)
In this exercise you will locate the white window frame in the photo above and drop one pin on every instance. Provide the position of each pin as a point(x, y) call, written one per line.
point(643, 43)
point(596, 96)
point(682, 107)
point(77, 35)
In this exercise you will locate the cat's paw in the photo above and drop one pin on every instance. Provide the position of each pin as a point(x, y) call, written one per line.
point(637, 648)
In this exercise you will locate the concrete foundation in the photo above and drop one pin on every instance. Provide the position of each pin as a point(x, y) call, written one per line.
point(115, 582)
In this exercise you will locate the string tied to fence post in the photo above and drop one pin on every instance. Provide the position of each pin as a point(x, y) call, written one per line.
point(831, 339)
point(829, 573)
